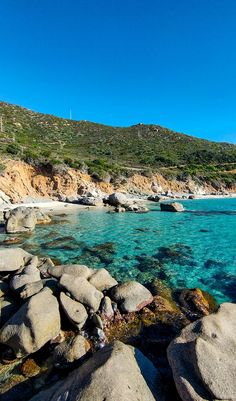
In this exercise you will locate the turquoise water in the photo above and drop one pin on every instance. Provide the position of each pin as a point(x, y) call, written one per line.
point(191, 249)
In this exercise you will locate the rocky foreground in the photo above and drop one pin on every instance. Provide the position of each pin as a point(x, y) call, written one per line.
point(70, 332)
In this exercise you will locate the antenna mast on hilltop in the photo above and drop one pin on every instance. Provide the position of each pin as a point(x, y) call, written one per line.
point(70, 115)
point(1, 124)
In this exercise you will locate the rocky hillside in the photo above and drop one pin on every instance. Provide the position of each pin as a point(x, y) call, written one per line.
point(21, 181)
point(28, 134)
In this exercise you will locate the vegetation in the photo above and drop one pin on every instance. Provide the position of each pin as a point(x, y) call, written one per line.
point(111, 151)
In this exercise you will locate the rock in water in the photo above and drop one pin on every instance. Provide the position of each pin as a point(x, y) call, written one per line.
point(203, 357)
point(74, 310)
point(113, 374)
point(82, 291)
point(132, 296)
point(12, 259)
point(33, 325)
point(117, 199)
point(171, 207)
point(20, 219)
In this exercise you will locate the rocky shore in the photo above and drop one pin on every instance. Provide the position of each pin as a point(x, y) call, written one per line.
point(72, 332)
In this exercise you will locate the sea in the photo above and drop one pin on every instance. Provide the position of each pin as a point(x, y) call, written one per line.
point(194, 248)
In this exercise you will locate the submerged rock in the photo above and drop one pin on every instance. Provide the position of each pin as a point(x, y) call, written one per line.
point(114, 373)
point(195, 303)
point(203, 357)
point(171, 207)
point(33, 325)
point(131, 296)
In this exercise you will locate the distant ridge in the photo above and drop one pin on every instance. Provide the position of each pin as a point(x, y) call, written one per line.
point(140, 145)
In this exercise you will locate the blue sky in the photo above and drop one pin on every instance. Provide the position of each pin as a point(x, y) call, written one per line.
point(121, 62)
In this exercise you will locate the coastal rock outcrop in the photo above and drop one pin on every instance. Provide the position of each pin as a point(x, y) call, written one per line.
point(171, 207)
point(131, 296)
point(33, 325)
point(12, 259)
point(203, 357)
point(20, 219)
point(112, 374)
point(23, 219)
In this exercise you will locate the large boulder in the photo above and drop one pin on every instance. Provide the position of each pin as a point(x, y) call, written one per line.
point(29, 274)
point(115, 373)
point(171, 207)
point(82, 291)
point(74, 310)
point(117, 199)
point(20, 219)
point(12, 259)
point(203, 357)
point(33, 325)
point(131, 296)
point(72, 270)
point(70, 350)
point(102, 280)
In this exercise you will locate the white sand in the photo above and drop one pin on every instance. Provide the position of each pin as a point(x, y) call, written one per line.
point(48, 206)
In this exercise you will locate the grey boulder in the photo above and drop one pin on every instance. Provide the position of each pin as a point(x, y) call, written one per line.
point(74, 310)
point(112, 374)
point(203, 357)
point(73, 270)
point(12, 259)
point(33, 325)
point(102, 280)
point(82, 291)
point(20, 219)
point(131, 296)
point(70, 350)
point(117, 199)
point(29, 274)
point(171, 207)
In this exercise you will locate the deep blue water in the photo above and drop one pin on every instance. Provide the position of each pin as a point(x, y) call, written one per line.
point(195, 248)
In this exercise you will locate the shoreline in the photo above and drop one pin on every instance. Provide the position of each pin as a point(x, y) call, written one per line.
point(53, 206)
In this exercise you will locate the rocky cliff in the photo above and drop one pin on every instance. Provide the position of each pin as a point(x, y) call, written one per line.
point(23, 182)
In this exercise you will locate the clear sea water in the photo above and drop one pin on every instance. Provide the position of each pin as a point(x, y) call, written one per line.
point(196, 248)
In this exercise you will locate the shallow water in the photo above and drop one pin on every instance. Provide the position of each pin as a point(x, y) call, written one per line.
point(191, 249)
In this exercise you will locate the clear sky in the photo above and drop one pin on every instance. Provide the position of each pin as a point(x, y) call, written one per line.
point(120, 62)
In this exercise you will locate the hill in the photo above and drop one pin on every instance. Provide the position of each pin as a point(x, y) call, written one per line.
point(40, 134)
point(42, 138)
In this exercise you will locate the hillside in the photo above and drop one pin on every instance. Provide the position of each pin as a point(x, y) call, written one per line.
point(114, 153)
point(28, 133)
